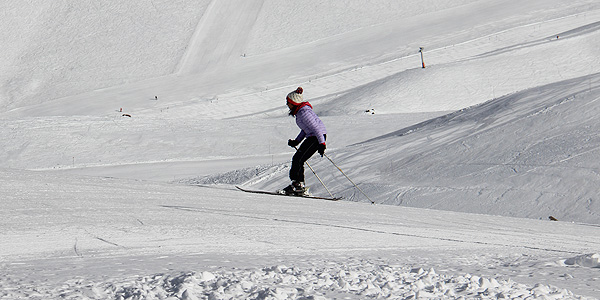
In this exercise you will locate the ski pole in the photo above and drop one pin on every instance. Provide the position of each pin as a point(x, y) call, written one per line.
point(319, 178)
point(348, 178)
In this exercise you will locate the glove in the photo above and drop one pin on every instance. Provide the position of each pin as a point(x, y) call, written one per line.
point(293, 143)
point(321, 149)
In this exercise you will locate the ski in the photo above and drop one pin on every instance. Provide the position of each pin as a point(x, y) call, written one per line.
point(281, 194)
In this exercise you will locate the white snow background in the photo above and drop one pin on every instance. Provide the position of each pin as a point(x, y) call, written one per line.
point(127, 124)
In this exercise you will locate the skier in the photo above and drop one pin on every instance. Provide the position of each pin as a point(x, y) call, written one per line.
point(314, 134)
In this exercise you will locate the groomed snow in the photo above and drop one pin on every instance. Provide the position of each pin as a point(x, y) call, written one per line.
point(126, 127)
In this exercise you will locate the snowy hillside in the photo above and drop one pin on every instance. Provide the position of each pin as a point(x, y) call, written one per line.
point(80, 237)
point(126, 126)
point(61, 48)
point(530, 154)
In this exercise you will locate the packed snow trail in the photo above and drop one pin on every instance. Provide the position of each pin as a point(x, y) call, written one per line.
point(104, 235)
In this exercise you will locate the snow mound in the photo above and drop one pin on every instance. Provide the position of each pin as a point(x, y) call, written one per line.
point(363, 279)
point(234, 177)
point(586, 260)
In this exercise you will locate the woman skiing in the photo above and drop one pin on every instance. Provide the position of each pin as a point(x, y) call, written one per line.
point(314, 134)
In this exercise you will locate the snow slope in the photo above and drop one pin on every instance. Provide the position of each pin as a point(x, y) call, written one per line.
point(101, 238)
point(119, 118)
point(351, 58)
point(529, 154)
point(58, 49)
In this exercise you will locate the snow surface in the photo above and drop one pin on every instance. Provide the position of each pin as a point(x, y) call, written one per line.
point(126, 126)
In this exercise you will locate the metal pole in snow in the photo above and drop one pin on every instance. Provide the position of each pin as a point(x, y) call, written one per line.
point(372, 202)
point(422, 61)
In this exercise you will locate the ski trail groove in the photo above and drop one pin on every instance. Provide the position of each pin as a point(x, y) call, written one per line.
point(75, 249)
point(109, 242)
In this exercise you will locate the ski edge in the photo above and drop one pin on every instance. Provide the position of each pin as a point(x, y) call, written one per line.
point(279, 194)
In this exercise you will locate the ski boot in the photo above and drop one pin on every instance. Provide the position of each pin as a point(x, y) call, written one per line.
point(296, 189)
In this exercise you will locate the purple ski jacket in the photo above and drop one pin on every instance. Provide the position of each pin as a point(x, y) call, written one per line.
point(310, 124)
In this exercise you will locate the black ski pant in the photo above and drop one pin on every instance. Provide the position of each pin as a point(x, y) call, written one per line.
point(304, 152)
